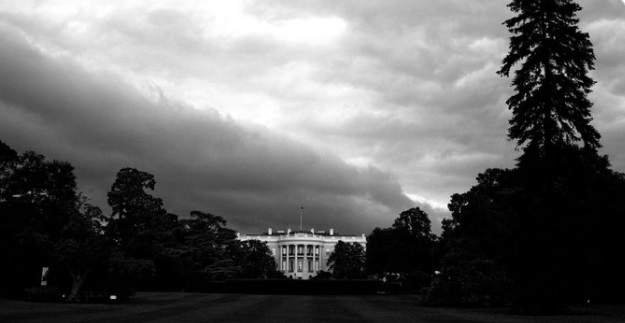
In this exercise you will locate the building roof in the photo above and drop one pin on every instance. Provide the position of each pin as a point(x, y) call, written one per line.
point(328, 233)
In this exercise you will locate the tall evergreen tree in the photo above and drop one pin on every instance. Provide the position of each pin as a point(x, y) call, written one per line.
point(544, 234)
point(550, 108)
point(557, 214)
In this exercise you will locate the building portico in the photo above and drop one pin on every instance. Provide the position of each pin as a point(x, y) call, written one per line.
point(302, 254)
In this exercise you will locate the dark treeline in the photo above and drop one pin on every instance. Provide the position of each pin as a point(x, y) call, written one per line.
point(405, 252)
point(46, 222)
point(548, 232)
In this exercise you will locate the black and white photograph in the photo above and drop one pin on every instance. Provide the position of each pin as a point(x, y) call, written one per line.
point(312, 161)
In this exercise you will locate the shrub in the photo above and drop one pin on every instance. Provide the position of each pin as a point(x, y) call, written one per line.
point(479, 283)
point(43, 294)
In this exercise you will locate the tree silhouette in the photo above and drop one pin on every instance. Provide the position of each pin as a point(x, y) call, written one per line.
point(477, 243)
point(404, 247)
point(415, 222)
point(138, 220)
point(82, 245)
point(347, 261)
point(45, 223)
point(550, 108)
point(557, 214)
point(205, 246)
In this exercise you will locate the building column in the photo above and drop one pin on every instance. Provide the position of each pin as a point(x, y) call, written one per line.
point(305, 266)
point(285, 258)
point(303, 259)
point(322, 261)
point(312, 257)
point(315, 257)
point(288, 257)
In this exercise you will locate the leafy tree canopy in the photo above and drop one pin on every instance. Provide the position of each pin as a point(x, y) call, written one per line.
point(414, 221)
point(404, 247)
point(347, 261)
point(138, 221)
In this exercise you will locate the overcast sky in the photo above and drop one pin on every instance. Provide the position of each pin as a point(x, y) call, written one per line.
point(356, 109)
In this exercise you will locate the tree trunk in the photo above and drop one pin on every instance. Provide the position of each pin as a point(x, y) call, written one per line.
point(78, 281)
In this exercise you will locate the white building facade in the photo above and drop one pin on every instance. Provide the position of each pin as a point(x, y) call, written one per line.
point(302, 254)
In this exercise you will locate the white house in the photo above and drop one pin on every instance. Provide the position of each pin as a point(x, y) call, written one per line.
point(302, 254)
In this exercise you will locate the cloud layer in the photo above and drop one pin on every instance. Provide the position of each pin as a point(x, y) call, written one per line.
point(251, 109)
point(201, 159)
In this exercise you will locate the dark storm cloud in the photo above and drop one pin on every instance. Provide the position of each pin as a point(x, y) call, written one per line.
point(438, 112)
point(407, 90)
point(201, 160)
point(440, 115)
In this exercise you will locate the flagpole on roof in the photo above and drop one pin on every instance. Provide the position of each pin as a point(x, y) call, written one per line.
point(301, 215)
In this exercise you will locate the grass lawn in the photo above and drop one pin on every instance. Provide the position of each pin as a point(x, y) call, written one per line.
point(195, 307)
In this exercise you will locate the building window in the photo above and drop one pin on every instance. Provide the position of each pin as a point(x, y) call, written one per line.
point(284, 265)
point(310, 266)
point(300, 265)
